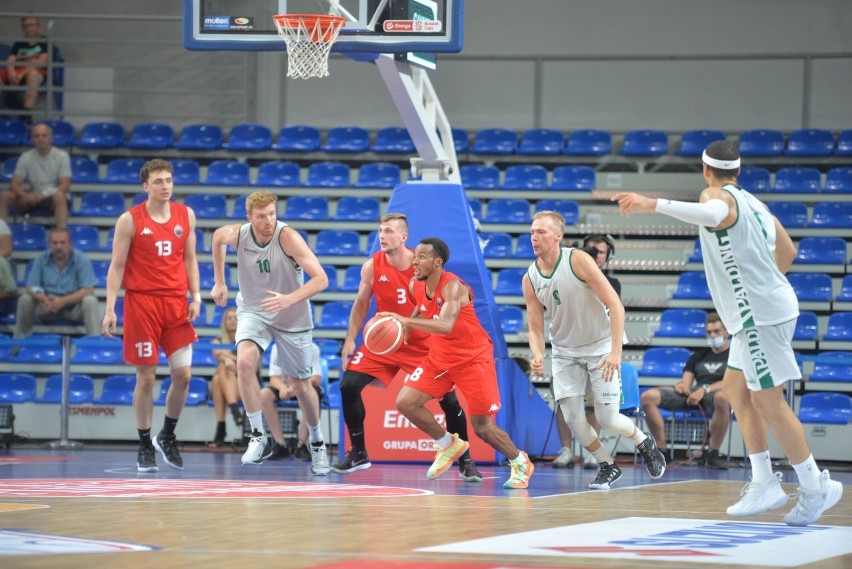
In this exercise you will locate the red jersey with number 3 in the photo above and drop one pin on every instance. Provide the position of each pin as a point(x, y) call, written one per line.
point(390, 287)
point(155, 259)
point(468, 341)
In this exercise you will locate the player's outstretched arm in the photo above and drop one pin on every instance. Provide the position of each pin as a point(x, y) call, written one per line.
point(222, 237)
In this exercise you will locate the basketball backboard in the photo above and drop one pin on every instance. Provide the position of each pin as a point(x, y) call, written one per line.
point(380, 26)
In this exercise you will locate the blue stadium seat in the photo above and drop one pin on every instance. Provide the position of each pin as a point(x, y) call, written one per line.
point(569, 209)
point(28, 237)
point(825, 408)
point(352, 208)
point(790, 214)
point(239, 208)
point(573, 178)
point(844, 143)
point(839, 327)
point(331, 274)
point(151, 136)
point(837, 181)
point(797, 180)
point(664, 361)
point(811, 287)
point(17, 387)
point(81, 389)
point(85, 171)
point(697, 255)
point(249, 137)
point(117, 390)
point(460, 139)
point(393, 140)
point(832, 215)
point(335, 315)
point(835, 371)
point(541, 141)
point(13, 132)
point(499, 245)
point(63, 132)
point(101, 268)
point(207, 206)
point(279, 174)
point(195, 396)
point(85, 237)
point(511, 318)
point(692, 285)
point(845, 294)
point(810, 142)
point(761, 142)
point(331, 242)
point(347, 139)
point(8, 169)
point(140, 198)
point(475, 208)
point(123, 171)
point(203, 357)
point(524, 248)
point(754, 179)
point(218, 311)
point(313, 208)
point(205, 272)
point(98, 350)
point(479, 176)
point(821, 250)
point(101, 204)
point(328, 175)
point(101, 135)
point(187, 172)
point(682, 323)
point(525, 177)
point(297, 138)
point(372, 238)
point(588, 142)
point(351, 279)
point(694, 142)
point(509, 281)
point(200, 137)
point(378, 175)
point(507, 210)
point(645, 143)
point(495, 141)
point(50, 353)
point(807, 326)
point(227, 173)
point(200, 245)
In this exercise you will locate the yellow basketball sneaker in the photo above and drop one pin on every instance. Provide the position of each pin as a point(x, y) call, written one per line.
point(521, 473)
point(444, 457)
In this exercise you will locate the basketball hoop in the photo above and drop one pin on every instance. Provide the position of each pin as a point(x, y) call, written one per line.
point(309, 38)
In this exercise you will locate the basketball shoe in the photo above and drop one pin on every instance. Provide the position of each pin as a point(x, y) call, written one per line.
point(276, 452)
point(757, 497)
point(256, 446)
point(167, 445)
point(319, 459)
point(146, 459)
point(811, 505)
point(521, 473)
point(468, 471)
point(353, 461)
point(565, 459)
point(655, 461)
point(444, 457)
point(606, 477)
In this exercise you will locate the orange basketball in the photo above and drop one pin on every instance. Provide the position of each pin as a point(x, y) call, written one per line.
point(383, 335)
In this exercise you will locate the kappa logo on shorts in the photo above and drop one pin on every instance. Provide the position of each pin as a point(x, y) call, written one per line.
point(494, 407)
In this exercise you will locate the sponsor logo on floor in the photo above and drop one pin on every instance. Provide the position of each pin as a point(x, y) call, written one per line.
point(670, 539)
point(19, 542)
point(171, 488)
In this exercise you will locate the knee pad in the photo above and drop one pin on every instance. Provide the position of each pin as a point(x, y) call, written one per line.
point(611, 420)
point(574, 413)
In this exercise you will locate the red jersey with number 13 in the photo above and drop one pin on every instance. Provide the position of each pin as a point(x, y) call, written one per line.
point(390, 287)
point(155, 259)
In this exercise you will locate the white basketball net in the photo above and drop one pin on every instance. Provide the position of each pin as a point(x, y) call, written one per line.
point(309, 40)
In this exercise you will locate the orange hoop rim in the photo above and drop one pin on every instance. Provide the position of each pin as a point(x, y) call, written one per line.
point(326, 21)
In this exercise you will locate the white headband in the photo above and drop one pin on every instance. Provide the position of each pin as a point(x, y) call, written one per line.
point(721, 164)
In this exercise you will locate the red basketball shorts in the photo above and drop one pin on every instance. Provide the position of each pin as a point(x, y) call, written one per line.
point(151, 322)
point(476, 380)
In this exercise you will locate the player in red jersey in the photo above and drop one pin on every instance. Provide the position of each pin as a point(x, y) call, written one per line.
point(386, 275)
point(153, 256)
point(461, 355)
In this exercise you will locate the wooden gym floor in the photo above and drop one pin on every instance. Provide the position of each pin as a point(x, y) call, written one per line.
point(90, 508)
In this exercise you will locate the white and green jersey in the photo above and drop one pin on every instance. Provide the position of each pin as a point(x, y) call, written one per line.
point(268, 267)
point(579, 322)
point(747, 288)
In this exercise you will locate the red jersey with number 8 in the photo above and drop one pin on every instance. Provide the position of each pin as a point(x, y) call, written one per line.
point(155, 259)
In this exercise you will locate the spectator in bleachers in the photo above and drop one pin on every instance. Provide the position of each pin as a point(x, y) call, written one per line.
point(60, 286)
point(42, 178)
point(8, 283)
point(586, 335)
point(280, 388)
point(223, 387)
point(26, 66)
point(700, 386)
point(746, 253)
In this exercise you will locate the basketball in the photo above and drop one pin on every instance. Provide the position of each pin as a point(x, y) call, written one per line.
point(383, 335)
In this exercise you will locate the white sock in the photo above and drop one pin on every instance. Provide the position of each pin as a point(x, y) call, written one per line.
point(315, 434)
point(808, 473)
point(518, 459)
point(761, 466)
point(444, 441)
point(256, 421)
point(601, 455)
point(638, 437)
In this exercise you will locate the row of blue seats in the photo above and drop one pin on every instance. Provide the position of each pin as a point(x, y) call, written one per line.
point(809, 287)
point(811, 251)
point(249, 137)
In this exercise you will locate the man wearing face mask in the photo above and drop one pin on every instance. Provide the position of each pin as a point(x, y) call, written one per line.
point(701, 384)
